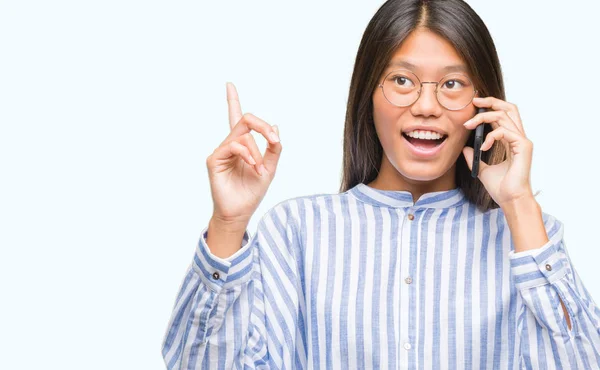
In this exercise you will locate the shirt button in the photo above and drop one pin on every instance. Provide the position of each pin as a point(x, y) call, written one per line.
point(407, 346)
point(411, 216)
point(548, 267)
point(216, 276)
point(408, 280)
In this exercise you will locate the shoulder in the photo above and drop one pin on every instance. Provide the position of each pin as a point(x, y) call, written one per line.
point(295, 209)
point(292, 215)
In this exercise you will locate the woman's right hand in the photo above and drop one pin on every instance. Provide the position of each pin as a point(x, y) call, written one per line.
point(234, 168)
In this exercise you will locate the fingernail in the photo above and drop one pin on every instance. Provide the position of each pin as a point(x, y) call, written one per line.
point(274, 137)
point(262, 170)
point(467, 123)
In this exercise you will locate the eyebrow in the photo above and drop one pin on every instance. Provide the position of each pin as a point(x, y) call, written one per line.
point(404, 63)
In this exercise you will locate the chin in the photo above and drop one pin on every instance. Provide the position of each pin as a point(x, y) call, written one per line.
point(422, 172)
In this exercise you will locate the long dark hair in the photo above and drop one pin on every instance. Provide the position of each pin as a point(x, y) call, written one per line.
point(455, 21)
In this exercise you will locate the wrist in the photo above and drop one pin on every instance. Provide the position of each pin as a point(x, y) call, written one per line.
point(521, 207)
point(227, 226)
point(524, 219)
point(224, 238)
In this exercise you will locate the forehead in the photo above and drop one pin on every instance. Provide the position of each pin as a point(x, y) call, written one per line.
point(426, 52)
point(419, 67)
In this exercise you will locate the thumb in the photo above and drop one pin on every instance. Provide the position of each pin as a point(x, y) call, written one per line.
point(272, 154)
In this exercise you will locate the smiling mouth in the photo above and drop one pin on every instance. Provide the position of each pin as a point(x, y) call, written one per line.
point(424, 143)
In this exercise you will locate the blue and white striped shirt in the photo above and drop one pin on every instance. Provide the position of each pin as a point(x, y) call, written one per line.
point(367, 279)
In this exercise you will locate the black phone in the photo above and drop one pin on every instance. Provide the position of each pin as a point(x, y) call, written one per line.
point(477, 145)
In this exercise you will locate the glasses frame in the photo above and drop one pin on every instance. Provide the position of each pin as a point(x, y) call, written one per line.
point(421, 88)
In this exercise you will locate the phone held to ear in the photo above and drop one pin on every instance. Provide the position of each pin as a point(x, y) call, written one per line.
point(477, 145)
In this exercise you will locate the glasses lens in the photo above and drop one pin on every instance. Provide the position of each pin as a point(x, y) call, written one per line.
point(401, 88)
point(455, 91)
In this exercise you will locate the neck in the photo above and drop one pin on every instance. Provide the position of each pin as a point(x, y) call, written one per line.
point(391, 179)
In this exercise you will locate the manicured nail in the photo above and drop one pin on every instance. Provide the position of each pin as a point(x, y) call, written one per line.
point(467, 123)
point(274, 137)
point(262, 170)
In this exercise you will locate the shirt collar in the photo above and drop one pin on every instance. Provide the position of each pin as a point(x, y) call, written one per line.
point(402, 198)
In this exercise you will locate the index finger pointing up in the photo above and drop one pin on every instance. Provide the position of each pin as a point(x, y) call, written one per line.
point(233, 103)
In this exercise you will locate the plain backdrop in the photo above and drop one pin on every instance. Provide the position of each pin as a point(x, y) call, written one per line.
point(108, 110)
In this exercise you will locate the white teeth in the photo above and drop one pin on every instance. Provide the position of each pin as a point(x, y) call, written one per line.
point(426, 135)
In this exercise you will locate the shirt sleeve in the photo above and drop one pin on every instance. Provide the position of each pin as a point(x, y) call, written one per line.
point(544, 277)
point(218, 318)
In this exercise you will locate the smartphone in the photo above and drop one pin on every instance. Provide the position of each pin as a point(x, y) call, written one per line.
point(477, 145)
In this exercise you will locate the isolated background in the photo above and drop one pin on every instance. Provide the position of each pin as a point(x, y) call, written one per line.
point(108, 110)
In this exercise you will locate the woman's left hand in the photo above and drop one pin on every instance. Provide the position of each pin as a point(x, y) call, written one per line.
point(509, 180)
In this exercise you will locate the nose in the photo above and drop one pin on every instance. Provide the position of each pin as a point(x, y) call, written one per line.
point(427, 103)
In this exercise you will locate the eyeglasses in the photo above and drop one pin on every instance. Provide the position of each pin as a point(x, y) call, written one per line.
point(402, 88)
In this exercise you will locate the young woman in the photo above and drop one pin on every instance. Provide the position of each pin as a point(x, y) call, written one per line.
point(414, 264)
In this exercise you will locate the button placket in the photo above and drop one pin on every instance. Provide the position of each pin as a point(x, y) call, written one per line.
point(410, 213)
point(407, 226)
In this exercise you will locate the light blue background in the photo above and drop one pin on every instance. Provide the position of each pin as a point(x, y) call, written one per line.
point(108, 110)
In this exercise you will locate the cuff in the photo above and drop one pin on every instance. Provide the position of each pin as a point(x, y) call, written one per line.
point(540, 266)
point(222, 273)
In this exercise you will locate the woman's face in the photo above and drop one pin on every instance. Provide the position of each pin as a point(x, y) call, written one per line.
point(430, 54)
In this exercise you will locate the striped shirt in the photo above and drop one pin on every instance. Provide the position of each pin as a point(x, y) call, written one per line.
point(368, 279)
